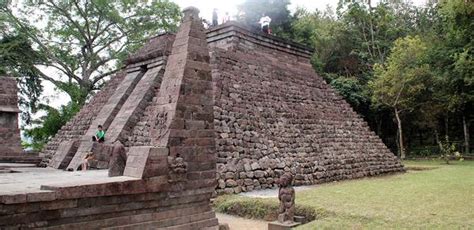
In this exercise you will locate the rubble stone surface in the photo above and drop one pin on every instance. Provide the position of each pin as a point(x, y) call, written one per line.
point(273, 114)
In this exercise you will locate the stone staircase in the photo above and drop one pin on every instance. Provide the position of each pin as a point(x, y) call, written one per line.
point(77, 126)
point(105, 117)
point(118, 116)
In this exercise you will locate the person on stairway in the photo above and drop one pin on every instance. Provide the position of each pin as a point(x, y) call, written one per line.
point(99, 135)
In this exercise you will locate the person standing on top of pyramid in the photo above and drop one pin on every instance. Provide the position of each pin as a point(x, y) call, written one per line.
point(99, 135)
point(226, 18)
point(214, 17)
point(265, 23)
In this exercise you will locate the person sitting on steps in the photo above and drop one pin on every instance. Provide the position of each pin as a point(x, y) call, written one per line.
point(99, 135)
point(86, 161)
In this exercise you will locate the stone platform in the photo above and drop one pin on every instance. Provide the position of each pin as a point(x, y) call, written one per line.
point(282, 226)
point(27, 179)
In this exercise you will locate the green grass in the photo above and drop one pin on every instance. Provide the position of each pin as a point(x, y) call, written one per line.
point(440, 198)
point(258, 208)
point(433, 196)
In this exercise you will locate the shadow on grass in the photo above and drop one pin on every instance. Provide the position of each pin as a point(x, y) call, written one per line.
point(419, 168)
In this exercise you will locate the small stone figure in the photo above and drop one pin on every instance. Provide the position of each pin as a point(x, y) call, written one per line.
point(286, 195)
point(118, 160)
point(178, 169)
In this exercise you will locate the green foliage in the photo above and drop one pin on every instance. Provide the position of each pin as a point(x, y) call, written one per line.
point(257, 208)
point(449, 152)
point(453, 54)
point(18, 59)
point(49, 124)
point(404, 82)
point(348, 46)
point(351, 89)
point(406, 78)
point(427, 151)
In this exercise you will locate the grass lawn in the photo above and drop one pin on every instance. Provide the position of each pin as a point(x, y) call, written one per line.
point(440, 198)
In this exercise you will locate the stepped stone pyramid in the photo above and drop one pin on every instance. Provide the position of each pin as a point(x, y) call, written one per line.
point(168, 179)
point(271, 113)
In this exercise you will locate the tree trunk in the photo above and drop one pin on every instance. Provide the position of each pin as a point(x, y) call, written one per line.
point(441, 148)
point(438, 141)
point(379, 126)
point(400, 134)
point(466, 134)
point(446, 127)
point(420, 137)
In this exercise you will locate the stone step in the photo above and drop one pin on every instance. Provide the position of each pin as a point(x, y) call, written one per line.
point(105, 116)
point(196, 221)
point(134, 106)
point(21, 159)
point(65, 153)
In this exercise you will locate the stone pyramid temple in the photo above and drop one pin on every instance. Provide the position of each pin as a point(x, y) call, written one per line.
point(263, 110)
point(193, 114)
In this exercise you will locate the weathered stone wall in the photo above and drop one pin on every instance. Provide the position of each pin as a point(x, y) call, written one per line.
point(159, 46)
point(136, 207)
point(273, 114)
point(9, 130)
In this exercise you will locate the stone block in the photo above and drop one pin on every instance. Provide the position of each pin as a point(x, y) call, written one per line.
point(282, 226)
point(146, 161)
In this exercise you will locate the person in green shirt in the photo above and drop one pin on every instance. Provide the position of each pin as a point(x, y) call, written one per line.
point(99, 135)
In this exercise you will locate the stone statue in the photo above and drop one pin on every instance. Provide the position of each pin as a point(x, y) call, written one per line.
point(118, 160)
point(178, 169)
point(286, 195)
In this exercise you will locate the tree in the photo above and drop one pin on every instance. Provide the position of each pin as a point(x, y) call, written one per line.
point(453, 58)
point(18, 59)
point(404, 81)
point(85, 41)
point(348, 46)
point(48, 125)
point(333, 58)
point(362, 36)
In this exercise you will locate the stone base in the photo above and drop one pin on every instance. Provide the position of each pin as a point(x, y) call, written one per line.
point(224, 226)
point(21, 159)
point(300, 219)
point(275, 225)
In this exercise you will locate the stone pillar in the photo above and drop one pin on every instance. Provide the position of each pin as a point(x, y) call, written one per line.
point(10, 141)
point(183, 128)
